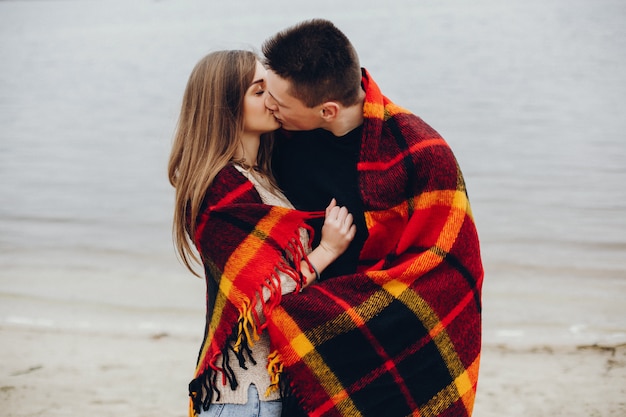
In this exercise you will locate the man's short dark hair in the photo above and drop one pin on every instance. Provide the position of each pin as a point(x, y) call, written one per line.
point(318, 60)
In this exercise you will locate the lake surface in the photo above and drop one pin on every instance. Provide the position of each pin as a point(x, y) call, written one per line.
point(531, 95)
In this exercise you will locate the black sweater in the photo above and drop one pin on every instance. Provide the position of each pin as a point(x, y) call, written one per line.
point(311, 168)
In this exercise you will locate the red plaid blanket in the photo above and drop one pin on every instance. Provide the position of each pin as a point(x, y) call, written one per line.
point(402, 336)
point(399, 338)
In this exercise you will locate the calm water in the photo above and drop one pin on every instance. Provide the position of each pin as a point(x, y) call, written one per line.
point(530, 94)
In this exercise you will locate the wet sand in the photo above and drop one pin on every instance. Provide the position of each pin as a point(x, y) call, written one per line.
point(51, 373)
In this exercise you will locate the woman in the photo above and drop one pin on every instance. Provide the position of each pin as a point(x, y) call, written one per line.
point(252, 244)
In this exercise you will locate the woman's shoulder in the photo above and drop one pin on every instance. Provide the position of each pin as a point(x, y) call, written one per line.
point(230, 184)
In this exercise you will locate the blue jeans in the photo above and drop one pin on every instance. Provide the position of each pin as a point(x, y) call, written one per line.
point(253, 408)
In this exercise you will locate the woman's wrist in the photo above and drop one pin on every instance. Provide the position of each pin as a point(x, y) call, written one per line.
point(316, 272)
point(329, 252)
point(309, 273)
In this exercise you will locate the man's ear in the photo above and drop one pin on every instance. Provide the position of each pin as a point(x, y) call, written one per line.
point(329, 111)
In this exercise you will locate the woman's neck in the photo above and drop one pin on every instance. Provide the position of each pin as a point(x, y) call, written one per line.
point(247, 152)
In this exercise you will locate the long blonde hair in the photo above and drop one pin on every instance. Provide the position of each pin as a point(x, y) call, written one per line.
point(207, 137)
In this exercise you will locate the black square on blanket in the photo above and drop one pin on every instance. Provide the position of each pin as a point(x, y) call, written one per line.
point(393, 346)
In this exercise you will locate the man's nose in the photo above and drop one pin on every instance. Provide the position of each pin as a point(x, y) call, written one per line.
point(270, 103)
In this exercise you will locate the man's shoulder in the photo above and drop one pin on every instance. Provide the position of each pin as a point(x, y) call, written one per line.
point(412, 126)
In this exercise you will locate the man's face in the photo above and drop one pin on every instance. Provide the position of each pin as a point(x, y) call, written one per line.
point(288, 110)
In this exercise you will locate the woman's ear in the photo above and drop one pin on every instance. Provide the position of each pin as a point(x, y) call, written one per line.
point(329, 111)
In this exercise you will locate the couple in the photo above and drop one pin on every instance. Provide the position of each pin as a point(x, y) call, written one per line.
point(382, 317)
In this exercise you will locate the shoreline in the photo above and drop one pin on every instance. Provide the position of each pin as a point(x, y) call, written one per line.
point(48, 372)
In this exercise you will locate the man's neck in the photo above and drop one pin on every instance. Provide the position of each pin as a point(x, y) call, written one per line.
point(349, 119)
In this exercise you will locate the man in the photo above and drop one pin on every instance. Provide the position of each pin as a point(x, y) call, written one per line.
point(393, 327)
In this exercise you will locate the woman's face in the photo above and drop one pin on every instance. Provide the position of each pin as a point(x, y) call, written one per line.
point(257, 119)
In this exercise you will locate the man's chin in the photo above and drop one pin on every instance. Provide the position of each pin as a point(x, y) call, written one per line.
point(289, 128)
point(280, 123)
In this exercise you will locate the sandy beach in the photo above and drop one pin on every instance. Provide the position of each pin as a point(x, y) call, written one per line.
point(59, 373)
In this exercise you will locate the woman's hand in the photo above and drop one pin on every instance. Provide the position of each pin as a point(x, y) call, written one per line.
point(338, 230)
point(337, 233)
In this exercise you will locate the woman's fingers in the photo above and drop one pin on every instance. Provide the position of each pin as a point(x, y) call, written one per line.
point(331, 205)
point(351, 232)
point(340, 218)
point(341, 215)
point(333, 213)
point(348, 221)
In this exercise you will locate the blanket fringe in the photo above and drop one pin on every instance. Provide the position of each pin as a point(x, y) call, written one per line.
point(274, 369)
point(247, 332)
point(280, 382)
point(291, 406)
point(203, 388)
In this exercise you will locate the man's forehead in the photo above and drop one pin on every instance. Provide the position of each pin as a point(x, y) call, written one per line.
point(278, 88)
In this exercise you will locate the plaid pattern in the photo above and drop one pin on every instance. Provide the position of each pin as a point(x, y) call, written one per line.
point(243, 244)
point(402, 336)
